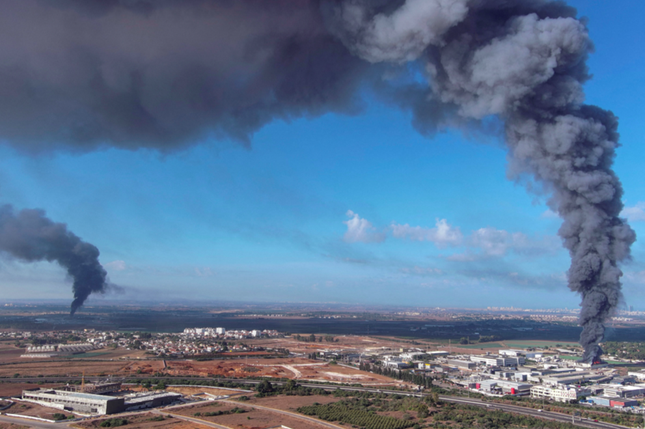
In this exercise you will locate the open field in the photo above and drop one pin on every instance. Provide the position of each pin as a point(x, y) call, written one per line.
point(250, 418)
point(15, 389)
point(521, 344)
point(64, 368)
point(480, 346)
point(292, 368)
point(12, 426)
point(145, 421)
point(34, 410)
point(612, 362)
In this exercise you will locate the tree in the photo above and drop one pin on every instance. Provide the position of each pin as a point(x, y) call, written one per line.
point(264, 387)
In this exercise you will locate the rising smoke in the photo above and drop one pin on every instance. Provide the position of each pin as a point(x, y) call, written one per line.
point(29, 236)
point(163, 74)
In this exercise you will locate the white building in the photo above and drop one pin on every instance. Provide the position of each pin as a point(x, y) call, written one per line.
point(512, 353)
point(220, 331)
point(560, 393)
point(493, 360)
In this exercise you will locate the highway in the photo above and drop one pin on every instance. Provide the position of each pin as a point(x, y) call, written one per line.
point(548, 415)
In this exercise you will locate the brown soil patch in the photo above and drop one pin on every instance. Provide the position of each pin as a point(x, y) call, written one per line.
point(252, 419)
point(293, 368)
point(12, 426)
point(145, 421)
point(146, 367)
point(205, 389)
point(290, 403)
point(15, 389)
point(73, 367)
point(35, 410)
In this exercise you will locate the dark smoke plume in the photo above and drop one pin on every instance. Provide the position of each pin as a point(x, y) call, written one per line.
point(30, 236)
point(81, 74)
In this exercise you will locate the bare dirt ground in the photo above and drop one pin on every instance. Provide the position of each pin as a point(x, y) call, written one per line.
point(15, 389)
point(66, 368)
point(12, 426)
point(251, 419)
point(293, 368)
point(205, 389)
point(145, 421)
point(290, 403)
point(34, 410)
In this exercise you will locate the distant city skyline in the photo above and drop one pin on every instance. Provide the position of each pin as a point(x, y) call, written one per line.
point(356, 208)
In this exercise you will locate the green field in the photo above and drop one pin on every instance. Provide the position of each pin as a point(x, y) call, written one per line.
point(526, 344)
point(481, 346)
point(89, 355)
point(612, 362)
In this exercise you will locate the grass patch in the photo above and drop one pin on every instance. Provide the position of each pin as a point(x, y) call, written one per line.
point(480, 346)
point(612, 362)
point(527, 344)
point(89, 355)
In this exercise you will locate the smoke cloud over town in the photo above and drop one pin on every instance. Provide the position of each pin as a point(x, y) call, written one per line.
point(167, 74)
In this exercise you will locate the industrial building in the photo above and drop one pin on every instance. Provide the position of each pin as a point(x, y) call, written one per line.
point(53, 350)
point(88, 403)
point(607, 401)
point(461, 363)
point(573, 378)
point(560, 393)
point(622, 391)
point(84, 403)
point(150, 400)
point(95, 388)
point(503, 387)
point(493, 360)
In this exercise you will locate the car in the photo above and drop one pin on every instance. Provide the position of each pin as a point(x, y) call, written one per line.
point(539, 411)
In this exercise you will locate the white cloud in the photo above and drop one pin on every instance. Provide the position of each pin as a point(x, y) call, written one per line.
point(361, 230)
point(497, 242)
point(637, 277)
point(549, 214)
point(116, 265)
point(204, 272)
point(635, 213)
point(442, 234)
point(421, 271)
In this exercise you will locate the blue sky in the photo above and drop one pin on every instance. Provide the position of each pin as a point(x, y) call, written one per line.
point(353, 209)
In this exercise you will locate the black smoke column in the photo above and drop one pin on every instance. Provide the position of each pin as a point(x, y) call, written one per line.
point(30, 236)
point(524, 62)
point(165, 74)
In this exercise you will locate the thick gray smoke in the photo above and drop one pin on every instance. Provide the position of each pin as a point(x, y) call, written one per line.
point(162, 74)
point(30, 236)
